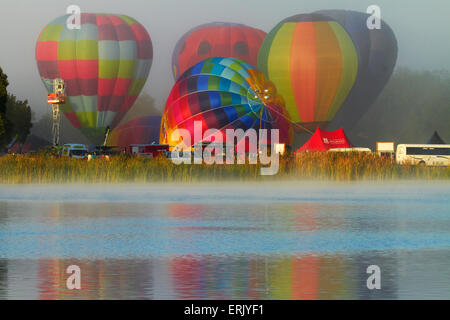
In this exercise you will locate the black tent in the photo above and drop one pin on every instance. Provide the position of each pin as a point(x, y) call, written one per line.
point(32, 143)
point(435, 139)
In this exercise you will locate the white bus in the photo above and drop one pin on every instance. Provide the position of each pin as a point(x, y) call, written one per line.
point(424, 154)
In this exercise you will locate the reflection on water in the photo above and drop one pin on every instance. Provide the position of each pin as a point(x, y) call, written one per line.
point(217, 249)
point(212, 277)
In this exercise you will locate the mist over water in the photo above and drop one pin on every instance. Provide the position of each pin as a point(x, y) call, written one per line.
point(303, 240)
point(271, 191)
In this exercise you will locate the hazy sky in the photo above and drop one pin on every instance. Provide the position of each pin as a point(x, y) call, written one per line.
point(421, 27)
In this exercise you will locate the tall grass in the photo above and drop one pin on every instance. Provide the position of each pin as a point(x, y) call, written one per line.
point(360, 166)
point(322, 166)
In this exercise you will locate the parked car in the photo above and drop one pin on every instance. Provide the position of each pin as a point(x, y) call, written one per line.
point(73, 150)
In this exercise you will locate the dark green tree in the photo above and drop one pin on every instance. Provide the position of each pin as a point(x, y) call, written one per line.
point(18, 113)
point(3, 99)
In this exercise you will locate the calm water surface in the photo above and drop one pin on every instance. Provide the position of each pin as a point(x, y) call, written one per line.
point(298, 240)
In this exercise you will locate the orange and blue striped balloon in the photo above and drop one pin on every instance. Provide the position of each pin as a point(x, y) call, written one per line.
point(312, 61)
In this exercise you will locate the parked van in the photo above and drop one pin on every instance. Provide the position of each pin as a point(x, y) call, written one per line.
point(76, 151)
point(424, 154)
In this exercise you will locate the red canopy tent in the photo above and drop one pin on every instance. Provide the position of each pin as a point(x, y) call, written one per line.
point(325, 140)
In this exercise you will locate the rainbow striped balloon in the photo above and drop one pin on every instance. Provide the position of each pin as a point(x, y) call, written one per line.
point(313, 63)
point(104, 64)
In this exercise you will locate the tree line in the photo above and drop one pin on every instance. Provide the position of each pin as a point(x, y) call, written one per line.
point(411, 107)
point(15, 116)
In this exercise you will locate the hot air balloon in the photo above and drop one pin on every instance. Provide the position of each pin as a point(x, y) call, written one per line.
point(142, 130)
point(313, 63)
point(377, 54)
point(104, 65)
point(224, 93)
point(216, 39)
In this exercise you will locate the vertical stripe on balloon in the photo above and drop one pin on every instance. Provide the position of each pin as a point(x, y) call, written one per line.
point(278, 62)
point(349, 68)
point(303, 70)
point(329, 69)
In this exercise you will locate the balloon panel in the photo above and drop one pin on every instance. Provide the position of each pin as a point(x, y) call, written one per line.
point(217, 39)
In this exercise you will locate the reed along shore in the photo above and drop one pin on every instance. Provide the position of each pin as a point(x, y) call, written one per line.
point(20, 169)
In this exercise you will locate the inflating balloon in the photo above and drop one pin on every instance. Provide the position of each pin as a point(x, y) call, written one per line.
point(217, 39)
point(104, 65)
point(224, 93)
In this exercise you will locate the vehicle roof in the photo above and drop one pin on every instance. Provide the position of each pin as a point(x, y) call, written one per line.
point(425, 145)
point(71, 145)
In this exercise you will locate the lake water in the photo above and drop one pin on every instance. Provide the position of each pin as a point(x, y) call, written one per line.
point(299, 240)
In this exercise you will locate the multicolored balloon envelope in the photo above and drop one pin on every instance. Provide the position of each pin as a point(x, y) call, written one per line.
point(377, 54)
point(104, 64)
point(143, 130)
point(313, 63)
point(223, 93)
point(216, 39)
